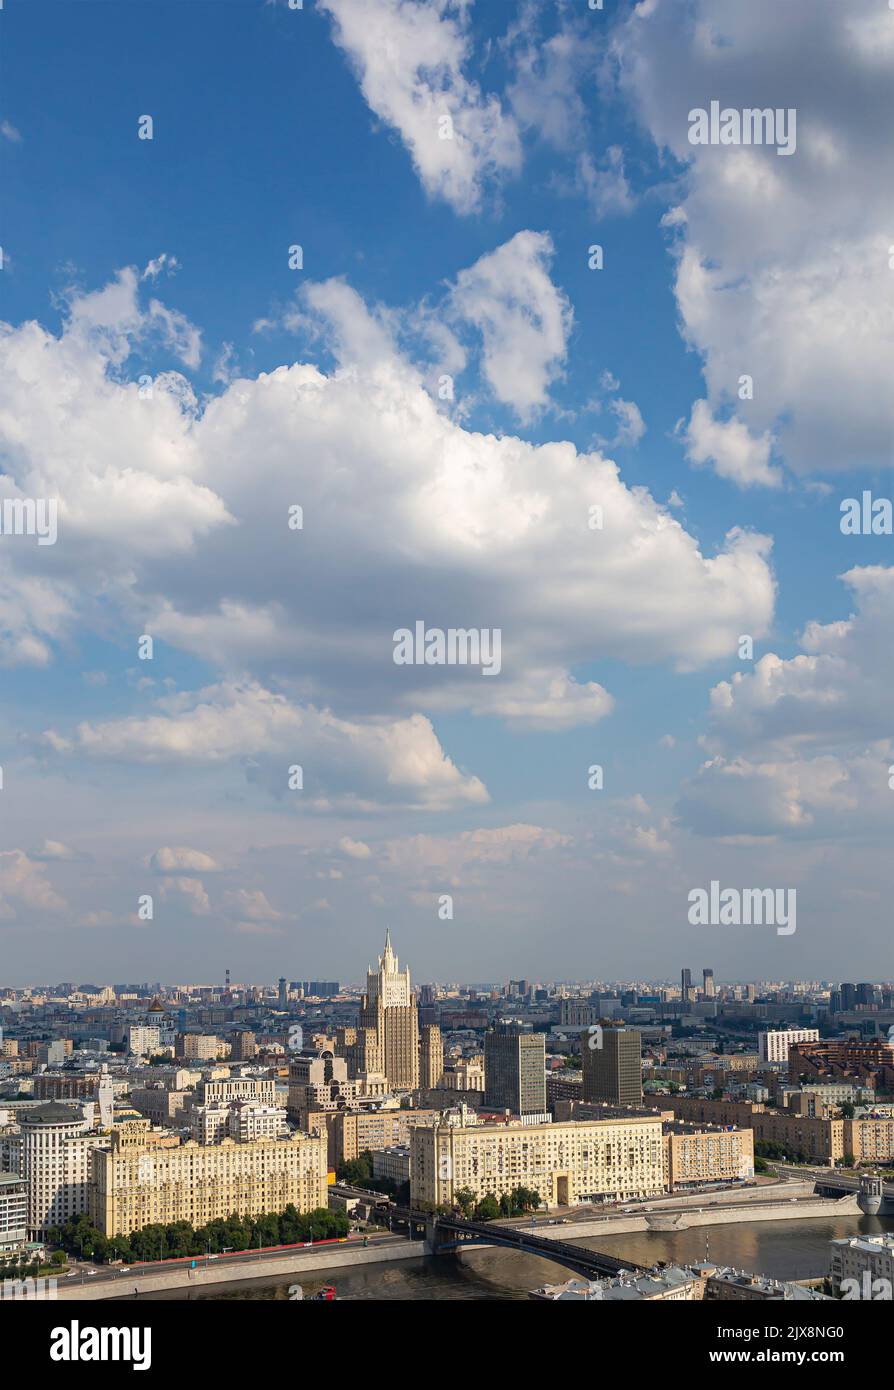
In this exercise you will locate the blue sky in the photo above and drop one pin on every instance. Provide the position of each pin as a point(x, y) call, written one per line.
point(168, 260)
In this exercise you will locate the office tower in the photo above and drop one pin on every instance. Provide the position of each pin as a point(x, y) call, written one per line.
point(848, 995)
point(685, 984)
point(515, 1071)
point(283, 994)
point(708, 982)
point(431, 1056)
point(388, 1009)
point(612, 1070)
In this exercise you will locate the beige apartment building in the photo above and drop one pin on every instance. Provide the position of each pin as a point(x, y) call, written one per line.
point(354, 1131)
point(713, 1155)
point(698, 1110)
point(138, 1184)
point(225, 1090)
point(870, 1141)
point(565, 1163)
point(822, 1141)
point(160, 1106)
point(203, 1047)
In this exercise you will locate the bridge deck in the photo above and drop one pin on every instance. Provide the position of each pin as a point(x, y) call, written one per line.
point(562, 1252)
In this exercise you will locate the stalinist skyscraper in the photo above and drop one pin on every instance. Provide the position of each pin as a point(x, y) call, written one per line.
point(388, 1009)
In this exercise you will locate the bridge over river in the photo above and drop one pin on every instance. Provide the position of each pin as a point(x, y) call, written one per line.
point(447, 1233)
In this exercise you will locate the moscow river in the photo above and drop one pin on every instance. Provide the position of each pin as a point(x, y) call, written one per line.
point(784, 1249)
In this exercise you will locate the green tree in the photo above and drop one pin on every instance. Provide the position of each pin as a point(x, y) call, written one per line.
point(465, 1200)
point(357, 1171)
point(524, 1199)
point(289, 1226)
point(488, 1209)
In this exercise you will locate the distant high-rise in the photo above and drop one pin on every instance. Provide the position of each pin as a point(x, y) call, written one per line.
point(283, 993)
point(515, 1071)
point(612, 1070)
point(708, 981)
point(431, 1056)
point(390, 1020)
point(685, 983)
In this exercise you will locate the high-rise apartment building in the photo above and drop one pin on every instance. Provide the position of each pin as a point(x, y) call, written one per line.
point(773, 1045)
point(708, 983)
point(515, 1071)
point(612, 1066)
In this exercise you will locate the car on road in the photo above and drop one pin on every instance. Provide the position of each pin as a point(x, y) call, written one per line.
point(125, 1269)
point(92, 1271)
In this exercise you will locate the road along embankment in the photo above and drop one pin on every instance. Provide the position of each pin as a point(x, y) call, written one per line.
point(804, 1209)
point(271, 1269)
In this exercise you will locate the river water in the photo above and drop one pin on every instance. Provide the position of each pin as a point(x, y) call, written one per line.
point(783, 1249)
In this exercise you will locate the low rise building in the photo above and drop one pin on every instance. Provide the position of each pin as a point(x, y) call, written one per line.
point(392, 1164)
point(862, 1267)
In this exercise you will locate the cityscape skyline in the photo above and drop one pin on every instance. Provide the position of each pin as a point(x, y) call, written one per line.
point(446, 522)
